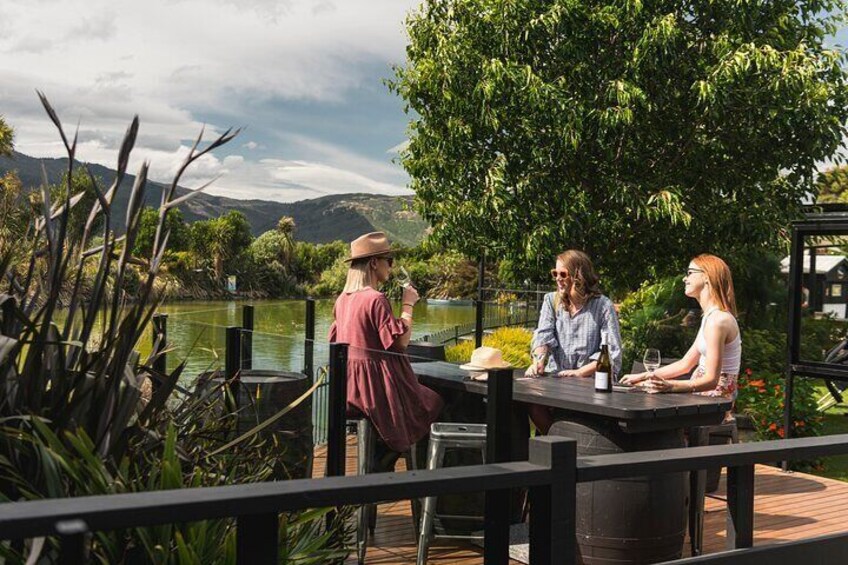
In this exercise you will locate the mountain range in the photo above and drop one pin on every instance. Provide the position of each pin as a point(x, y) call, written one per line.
point(320, 220)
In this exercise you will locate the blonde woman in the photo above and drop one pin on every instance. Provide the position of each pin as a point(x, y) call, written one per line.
point(381, 384)
point(717, 351)
point(570, 326)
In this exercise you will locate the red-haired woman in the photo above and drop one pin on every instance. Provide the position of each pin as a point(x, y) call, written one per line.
point(717, 350)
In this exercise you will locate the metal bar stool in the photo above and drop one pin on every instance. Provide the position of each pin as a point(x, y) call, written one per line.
point(366, 515)
point(445, 436)
point(699, 436)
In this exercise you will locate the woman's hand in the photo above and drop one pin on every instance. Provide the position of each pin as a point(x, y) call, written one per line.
point(569, 373)
point(633, 379)
point(540, 360)
point(410, 295)
point(656, 384)
point(531, 371)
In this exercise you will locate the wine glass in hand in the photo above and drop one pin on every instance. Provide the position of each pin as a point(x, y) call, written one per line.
point(410, 294)
point(403, 279)
point(652, 360)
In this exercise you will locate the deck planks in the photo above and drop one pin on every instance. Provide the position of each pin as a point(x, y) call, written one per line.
point(787, 506)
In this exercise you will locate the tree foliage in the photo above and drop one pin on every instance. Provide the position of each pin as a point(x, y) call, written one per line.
point(175, 225)
point(832, 185)
point(81, 184)
point(221, 239)
point(7, 138)
point(642, 132)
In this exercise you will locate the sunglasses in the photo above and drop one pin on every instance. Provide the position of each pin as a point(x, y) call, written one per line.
point(389, 260)
point(690, 271)
point(559, 274)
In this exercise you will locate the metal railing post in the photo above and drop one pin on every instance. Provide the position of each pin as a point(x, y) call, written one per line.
point(160, 338)
point(232, 363)
point(498, 441)
point(338, 407)
point(740, 507)
point(309, 340)
point(812, 282)
point(247, 337)
point(72, 542)
point(7, 308)
point(553, 521)
point(479, 309)
point(257, 537)
point(793, 336)
point(479, 306)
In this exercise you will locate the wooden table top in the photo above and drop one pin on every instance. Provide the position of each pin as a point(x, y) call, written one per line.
point(636, 410)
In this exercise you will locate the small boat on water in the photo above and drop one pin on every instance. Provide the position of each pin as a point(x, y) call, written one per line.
point(449, 302)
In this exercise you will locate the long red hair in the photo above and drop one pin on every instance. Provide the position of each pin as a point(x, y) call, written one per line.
point(721, 281)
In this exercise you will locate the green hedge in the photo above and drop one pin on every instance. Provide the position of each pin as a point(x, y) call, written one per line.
point(514, 343)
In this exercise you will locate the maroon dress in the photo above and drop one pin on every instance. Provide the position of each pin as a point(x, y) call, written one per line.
point(380, 382)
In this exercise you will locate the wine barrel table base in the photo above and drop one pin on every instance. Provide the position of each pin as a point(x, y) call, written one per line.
point(262, 394)
point(634, 520)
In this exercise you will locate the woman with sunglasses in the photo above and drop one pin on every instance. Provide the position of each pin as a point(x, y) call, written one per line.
point(717, 350)
point(381, 385)
point(572, 320)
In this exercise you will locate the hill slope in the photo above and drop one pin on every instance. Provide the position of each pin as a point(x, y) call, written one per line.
point(321, 220)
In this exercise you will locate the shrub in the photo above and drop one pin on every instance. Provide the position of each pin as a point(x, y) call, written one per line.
point(652, 317)
point(761, 398)
point(332, 281)
point(514, 343)
point(80, 415)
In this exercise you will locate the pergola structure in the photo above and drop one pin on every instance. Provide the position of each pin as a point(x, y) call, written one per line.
point(827, 221)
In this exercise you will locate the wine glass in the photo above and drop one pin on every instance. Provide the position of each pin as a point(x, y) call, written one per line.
point(403, 279)
point(652, 359)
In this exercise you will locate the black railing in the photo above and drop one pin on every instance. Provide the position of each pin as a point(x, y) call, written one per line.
point(551, 474)
point(257, 506)
point(454, 333)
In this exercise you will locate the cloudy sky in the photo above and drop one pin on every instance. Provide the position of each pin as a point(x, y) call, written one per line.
point(303, 77)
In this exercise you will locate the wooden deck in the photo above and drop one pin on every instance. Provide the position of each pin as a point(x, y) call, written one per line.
point(787, 506)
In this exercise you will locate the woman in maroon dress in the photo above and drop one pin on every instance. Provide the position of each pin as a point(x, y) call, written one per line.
point(380, 383)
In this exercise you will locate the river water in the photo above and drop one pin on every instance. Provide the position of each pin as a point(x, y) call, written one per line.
point(197, 330)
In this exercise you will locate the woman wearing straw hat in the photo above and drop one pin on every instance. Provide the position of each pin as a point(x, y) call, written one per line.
point(381, 384)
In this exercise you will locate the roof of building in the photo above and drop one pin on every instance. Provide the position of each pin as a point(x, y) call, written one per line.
point(824, 263)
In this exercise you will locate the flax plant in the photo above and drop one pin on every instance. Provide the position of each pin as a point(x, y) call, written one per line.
point(78, 414)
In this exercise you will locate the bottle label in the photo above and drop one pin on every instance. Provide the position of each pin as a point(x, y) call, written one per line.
point(601, 380)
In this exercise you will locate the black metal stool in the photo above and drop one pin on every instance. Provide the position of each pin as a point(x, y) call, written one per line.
point(366, 516)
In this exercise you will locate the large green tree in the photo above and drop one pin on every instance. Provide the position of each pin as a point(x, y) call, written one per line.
point(178, 238)
point(81, 185)
point(640, 131)
point(222, 239)
point(15, 213)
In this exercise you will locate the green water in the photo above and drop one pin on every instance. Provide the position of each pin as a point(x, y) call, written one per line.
point(196, 331)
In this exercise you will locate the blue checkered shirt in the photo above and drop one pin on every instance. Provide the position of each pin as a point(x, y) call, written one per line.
point(572, 340)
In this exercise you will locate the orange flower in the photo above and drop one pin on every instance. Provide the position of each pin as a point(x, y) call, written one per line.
point(759, 383)
point(772, 427)
point(780, 432)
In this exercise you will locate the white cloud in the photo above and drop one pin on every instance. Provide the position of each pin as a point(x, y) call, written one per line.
point(102, 61)
point(398, 148)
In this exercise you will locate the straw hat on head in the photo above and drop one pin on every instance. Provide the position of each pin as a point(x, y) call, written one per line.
point(485, 358)
point(369, 245)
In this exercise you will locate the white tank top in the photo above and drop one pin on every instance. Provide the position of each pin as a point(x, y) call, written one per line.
point(732, 357)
